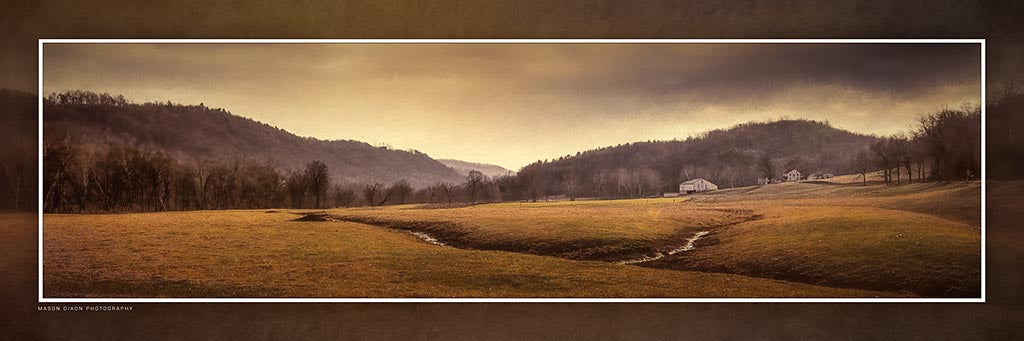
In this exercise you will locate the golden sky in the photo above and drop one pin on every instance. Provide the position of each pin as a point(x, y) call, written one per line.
point(512, 104)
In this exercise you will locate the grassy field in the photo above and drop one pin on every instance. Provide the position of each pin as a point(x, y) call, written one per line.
point(590, 230)
point(809, 239)
point(857, 247)
point(256, 254)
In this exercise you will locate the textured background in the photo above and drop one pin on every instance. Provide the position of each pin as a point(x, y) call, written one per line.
point(22, 23)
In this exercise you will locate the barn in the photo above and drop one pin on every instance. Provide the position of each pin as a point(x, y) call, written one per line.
point(793, 175)
point(696, 185)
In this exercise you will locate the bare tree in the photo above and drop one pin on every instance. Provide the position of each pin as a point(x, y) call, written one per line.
point(57, 158)
point(202, 174)
point(863, 163)
point(317, 176)
point(900, 149)
point(473, 181)
point(296, 185)
point(448, 188)
point(569, 179)
point(343, 197)
point(372, 191)
point(883, 157)
point(401, 189)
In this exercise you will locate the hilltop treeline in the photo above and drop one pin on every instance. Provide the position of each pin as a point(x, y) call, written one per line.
point(92, 165)
point(945, 145)
point(728, 157)
point(102, 153)
point(192, 132)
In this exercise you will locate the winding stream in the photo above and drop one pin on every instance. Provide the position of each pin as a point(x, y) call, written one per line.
point(432, 240)
point(427, 238)
point(659, 255)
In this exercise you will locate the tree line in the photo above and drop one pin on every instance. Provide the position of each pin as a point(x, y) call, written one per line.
point(127, 179)
point(119, 178)
point(195, 131)
point(731, 157)
point(945, 146)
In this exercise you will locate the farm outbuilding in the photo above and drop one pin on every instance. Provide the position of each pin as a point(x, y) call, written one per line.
point(696, 185)
point(793, 175)
point(813, 177)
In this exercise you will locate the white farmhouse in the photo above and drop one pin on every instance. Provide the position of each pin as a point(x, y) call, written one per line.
point(793, 175)
point(696, 185)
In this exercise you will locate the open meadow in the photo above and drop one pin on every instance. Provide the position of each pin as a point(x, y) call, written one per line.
point(835, 238)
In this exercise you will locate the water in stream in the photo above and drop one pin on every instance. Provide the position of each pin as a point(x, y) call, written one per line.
point(427, 238)
point(686, 247)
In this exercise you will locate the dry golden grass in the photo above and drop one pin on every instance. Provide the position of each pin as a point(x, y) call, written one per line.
point(922, 238)
point(860, 247)
point(255, 254)
point(960, 201)
point(593, 230)
point(919, 239)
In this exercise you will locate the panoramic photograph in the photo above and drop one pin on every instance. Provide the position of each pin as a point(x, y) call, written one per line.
point(508, 170)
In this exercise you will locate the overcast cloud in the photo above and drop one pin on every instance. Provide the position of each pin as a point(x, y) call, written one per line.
point(512, 104)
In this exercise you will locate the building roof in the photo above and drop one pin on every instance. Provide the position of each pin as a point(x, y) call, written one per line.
point(693, 181)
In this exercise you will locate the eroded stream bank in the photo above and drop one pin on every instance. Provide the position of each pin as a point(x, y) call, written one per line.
point(450, 235)
point(659, 255)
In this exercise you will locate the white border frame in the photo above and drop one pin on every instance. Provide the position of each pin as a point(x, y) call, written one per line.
point(511, 41)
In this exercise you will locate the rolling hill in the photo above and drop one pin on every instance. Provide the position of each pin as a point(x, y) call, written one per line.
point(731, 157)
point(463, 167)
point(190, 132)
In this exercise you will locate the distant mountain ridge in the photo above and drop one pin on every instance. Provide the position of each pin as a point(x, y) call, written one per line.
point(464, 167)
point(191, 132)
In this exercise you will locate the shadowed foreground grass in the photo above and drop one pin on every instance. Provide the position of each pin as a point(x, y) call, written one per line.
point(789, 240)
point(857, 247)
point(256, 254)
point(921, 238)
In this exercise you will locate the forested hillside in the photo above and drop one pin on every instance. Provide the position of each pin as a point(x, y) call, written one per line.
point(102, 153)
point(190, 133)
point(728, 157)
